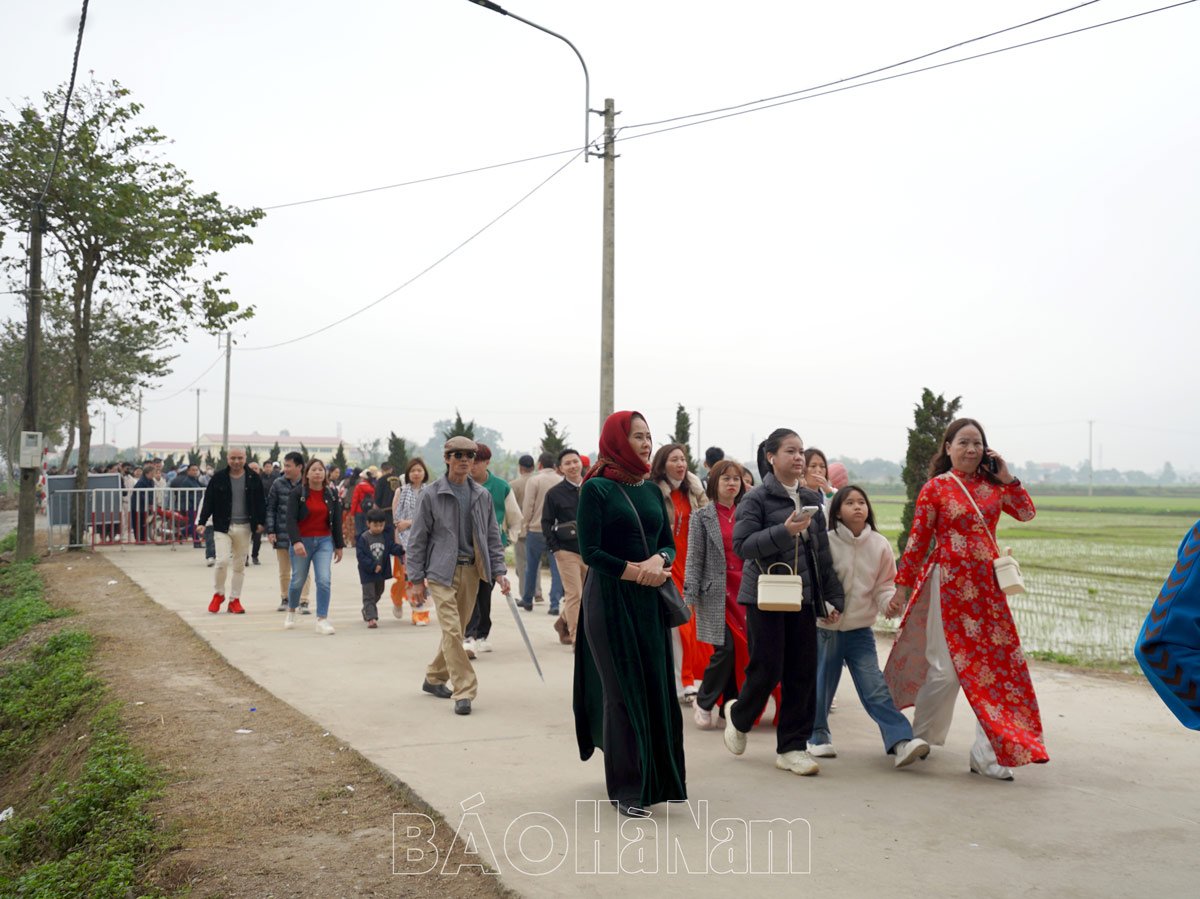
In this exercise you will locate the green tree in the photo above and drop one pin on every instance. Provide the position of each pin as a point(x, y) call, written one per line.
point(127, 235)
point(251, 456)
point(169, 463)
point(370, 451)
point(397, 448)
point(931, 417)
point(460, 428)
point(554, 441)
point(274, 454)
point(209, 461)
point(683, 435)
point(1168, 475)
point(339, 459)
point(222, 459)
point(304, 451)
point(194, 457)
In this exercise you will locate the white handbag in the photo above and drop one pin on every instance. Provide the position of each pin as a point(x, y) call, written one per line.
point(1007, 568)
point(781, 592)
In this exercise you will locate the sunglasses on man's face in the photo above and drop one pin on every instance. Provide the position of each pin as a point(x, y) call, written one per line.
point(461, 454)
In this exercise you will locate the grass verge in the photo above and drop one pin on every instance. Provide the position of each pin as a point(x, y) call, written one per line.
point(21, 602)
point(81, 824)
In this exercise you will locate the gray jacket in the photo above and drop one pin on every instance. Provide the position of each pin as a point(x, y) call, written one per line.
point(433, 538)
point(277, 510)
point(704, 575)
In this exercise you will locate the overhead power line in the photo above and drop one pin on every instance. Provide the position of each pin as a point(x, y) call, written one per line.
point(941, 65)
point(756, 104)
point(190, 384)
point(422, 272)
point(371, 190)
point(62, 126)
point(875, 71)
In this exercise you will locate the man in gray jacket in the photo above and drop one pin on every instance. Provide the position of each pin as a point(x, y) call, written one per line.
point(453, 545)
point(277, 532)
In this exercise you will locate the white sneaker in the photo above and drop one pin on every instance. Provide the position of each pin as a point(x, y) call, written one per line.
point(482, 645)
point(210, 562)
point(908, 751)
point(290, 621)
point(397, 611)
point(735, 740)
point(798, 762)
point(689, 694)
point(706, 719)
point(469, 645)
point(323, 626)
point(822, 750)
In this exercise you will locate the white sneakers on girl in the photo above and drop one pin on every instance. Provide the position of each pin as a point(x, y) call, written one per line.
point(290, 621)
point(908, 751)
point(323, 626)
point(797, 761)
point(822, 750)
point(735, 740)
point(706, 719)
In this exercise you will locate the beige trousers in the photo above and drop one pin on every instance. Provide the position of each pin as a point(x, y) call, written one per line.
point(284, 560)
point(236, 546)
point(454, 605)
point(572, 571)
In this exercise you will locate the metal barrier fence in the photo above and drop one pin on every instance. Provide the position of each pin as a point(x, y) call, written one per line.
point(118, 517)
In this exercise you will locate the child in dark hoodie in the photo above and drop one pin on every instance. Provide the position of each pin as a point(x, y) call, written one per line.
point(375, 547)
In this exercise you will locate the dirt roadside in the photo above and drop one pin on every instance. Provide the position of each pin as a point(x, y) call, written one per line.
point(284, 810)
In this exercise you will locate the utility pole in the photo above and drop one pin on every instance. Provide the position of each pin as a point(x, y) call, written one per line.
point(1091, 467)
point(27, 509)
point(606, 269)
point(138, 451)
point(199, 390)
point(228, 354)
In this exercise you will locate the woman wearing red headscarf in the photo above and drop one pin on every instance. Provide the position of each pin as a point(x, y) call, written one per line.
point(624, 698)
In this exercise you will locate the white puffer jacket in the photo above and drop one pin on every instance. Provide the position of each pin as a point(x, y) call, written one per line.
point(867, 569)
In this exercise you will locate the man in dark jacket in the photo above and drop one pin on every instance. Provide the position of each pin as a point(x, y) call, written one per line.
point(558, 527)
point(143, 503)
point(385, 486)
point(235, 502)
point(277, 531)
point(185, 494)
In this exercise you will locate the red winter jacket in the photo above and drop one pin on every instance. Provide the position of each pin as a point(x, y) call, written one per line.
point(364, 489)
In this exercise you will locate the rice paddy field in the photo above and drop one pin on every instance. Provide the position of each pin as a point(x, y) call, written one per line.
point(1093, 566)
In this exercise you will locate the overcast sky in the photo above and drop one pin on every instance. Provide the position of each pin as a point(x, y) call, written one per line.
point(1021, 230)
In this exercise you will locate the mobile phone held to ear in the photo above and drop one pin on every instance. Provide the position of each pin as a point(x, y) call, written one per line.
point(989, 462)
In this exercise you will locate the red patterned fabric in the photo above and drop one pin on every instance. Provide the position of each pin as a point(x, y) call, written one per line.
point(979, 626)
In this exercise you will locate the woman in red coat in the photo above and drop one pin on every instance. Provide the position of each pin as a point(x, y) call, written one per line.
point(958, 629)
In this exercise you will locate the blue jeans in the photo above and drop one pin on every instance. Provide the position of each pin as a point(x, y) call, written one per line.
point(535, 548)
point(857, 649)
point(319, 554)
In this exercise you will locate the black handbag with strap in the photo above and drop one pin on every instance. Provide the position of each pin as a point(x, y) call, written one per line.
point(676, 611)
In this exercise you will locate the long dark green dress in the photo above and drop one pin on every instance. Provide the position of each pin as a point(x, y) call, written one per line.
point(624, 672)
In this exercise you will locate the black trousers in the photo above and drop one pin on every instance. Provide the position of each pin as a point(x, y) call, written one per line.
point(255, 544)
point(481, 619)
point(783, 650)
point(720, 676)
point(622, 761)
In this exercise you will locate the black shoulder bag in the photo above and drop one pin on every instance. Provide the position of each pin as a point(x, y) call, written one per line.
point(677, 611)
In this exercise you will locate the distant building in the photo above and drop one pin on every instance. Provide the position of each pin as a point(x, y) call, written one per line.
point(259, 444)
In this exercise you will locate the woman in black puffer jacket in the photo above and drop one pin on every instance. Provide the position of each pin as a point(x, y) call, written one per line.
point(771, 528)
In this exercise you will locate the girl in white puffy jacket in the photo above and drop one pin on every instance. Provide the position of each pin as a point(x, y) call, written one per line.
point(864, 563)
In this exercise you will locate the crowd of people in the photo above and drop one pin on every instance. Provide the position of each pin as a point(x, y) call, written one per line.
point(620, 537)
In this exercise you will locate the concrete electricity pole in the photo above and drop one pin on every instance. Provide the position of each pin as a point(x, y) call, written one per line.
point(138, 451)
point(199, 390)
point(27, 508)
point(228, 354)
point(606, 270)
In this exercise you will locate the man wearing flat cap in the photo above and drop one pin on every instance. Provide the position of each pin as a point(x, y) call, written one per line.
point(454, 544)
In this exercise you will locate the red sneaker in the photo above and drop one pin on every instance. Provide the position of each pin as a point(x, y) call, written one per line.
point(215, 605)
point(235, 606)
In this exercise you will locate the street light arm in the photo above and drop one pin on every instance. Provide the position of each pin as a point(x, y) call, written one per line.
point(587, 79)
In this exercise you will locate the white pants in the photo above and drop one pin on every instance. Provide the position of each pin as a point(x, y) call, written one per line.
point(934, 707)
point(234, 545)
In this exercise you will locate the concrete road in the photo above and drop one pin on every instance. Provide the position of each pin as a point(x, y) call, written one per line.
point(1115, 813)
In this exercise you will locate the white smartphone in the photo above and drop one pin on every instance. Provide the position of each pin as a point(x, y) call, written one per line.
point(809, 511)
